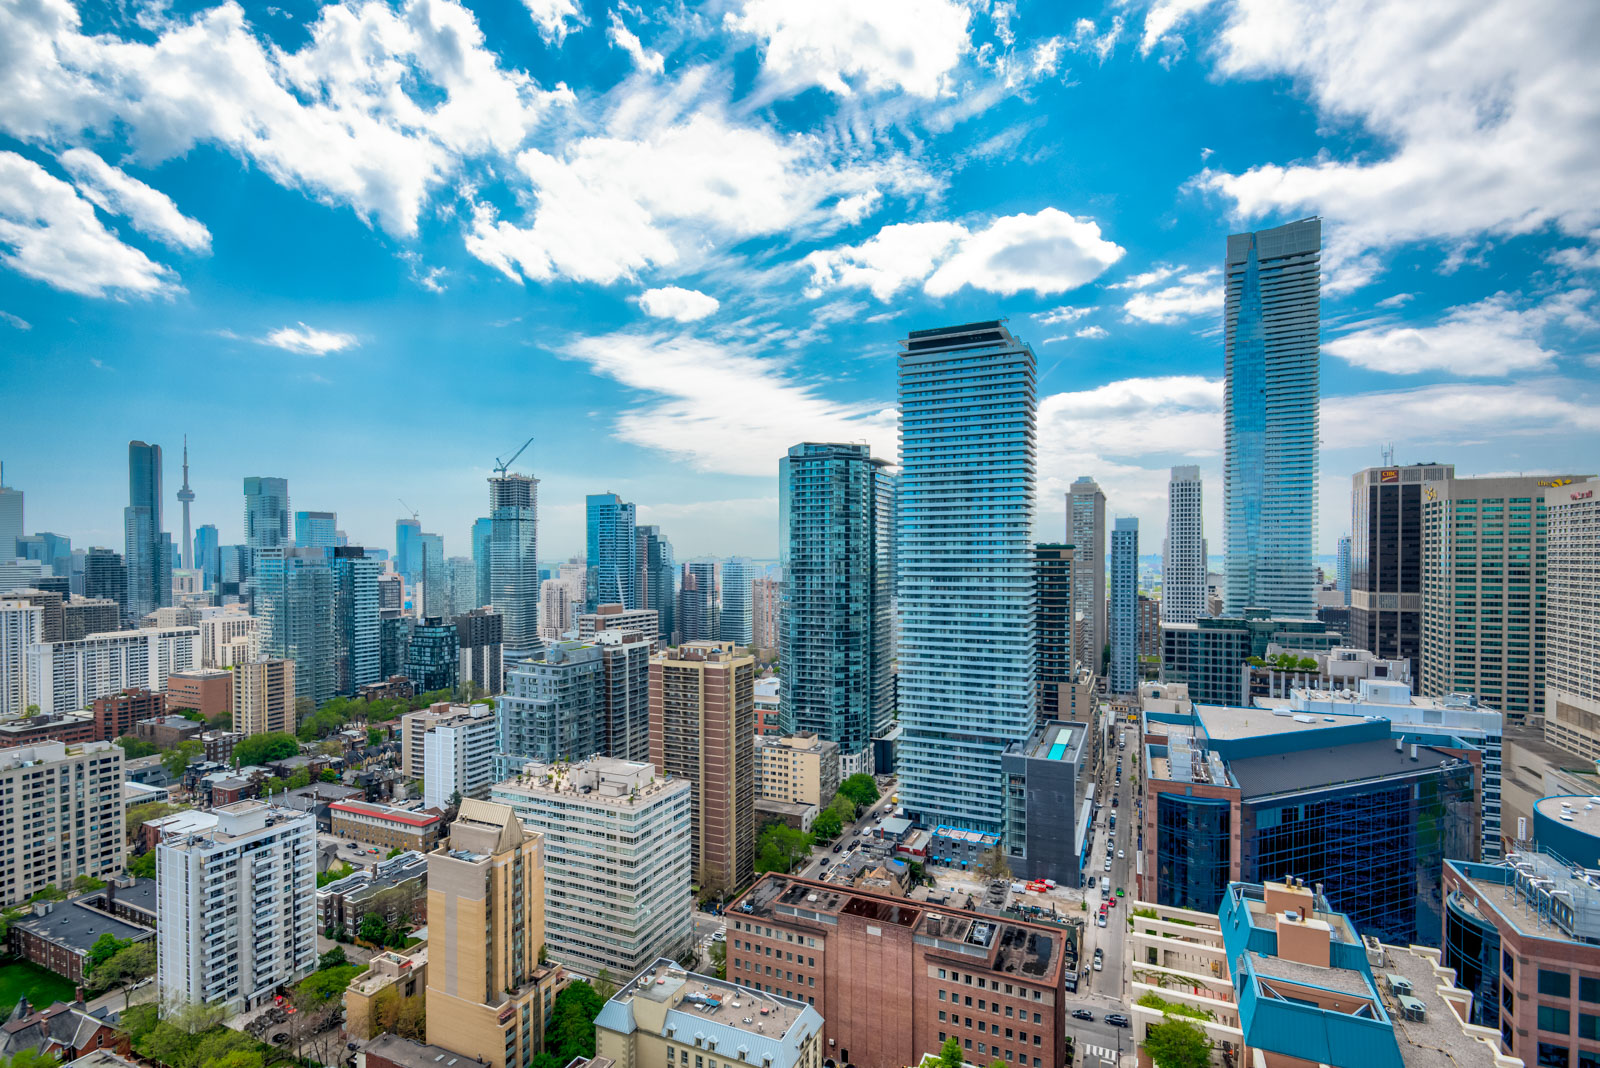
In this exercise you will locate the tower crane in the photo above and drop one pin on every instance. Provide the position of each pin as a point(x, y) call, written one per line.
point(502, 465)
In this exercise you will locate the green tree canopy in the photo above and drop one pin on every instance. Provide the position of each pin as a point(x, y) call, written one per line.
point(860, 788)
point(181, 756)
point(571, 1032)
point(138, 815)
point(30, 1058)
point(84, 884)
point(143, 866)
point(950, 1055)
point(1177, 1044)
point(264, 748)
point(300, 778)
point(105, 947)
point(780, 847)
point(327, 984)
point(133, 748)
point(827, 826)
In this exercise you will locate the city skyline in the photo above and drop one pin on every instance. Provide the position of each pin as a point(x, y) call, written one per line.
point(702, 326)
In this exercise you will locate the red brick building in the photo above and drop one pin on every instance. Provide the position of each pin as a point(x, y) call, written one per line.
point(115, 714)
point(71, 728)
point(65, 1032)
point(209, 691)
point(894, 978)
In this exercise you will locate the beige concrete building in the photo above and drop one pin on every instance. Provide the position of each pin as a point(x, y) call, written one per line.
point(263, 696)
point(766, 595)
point(802, 770)
point(1572, 618)
point(61, 811)
point(404, 973)
point(645, 621)
point(488, 995)
point(667, 1017)
point(220, 631)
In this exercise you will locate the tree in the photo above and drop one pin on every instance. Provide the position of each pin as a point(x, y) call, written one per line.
point(85, 884)
point(843, 807)
point(332, 959)
point(412, 1022)
point(264, 748)
point(950, 1055)
point(780, 846)
point(1177, 1044)
point(133, 748)
point(300, 779)
point(329, 775)
point(719, 959)
point(31, 1058)
point(376, 736)
point(129, 964)
point(138, 815)
point(571, 1032)
point(180, 756)
point(827, 826)
point(994, 865)
point(997, 1063)
point(105, 947)
point(860, 788)
point(143, 866)
point(327, 984)
point(373, 929)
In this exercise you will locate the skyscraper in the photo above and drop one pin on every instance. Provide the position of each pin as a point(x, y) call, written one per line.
point(1342, 569)
point(141, 522)
point(1272, 341)
point(1086, 532)
point(1572, 688)
point(658, 579)
point(1123, 674)
point(407, 557)
point(433, 659)
point(697, 601)
point(1385, 561)
point(1053, 626)
point(480, 557)
point(833, 624)
point(965, 568)
point(612, 553)
point(186, 497)
point(514, 561)
point(294, 599)
point(266, 512)
point(737, 622)
point(434, 577)
point(358, 650)
point(105, 575)
point(1183, 564)
point(315, 530)
point(11, 522)
point(463, 585)
point(206, 556)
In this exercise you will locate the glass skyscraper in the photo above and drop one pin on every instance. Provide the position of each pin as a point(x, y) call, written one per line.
point(965, 569)
point(834, 636)
point(294, 597)
point(480, 556)
point(1086, 533)
point(612, 553)
point(358, 651)
point(206, 556)
point(315, 530)
point(407, 551)
point(1272, 342)
point(657, 580)
point(148, 561)
point(105, 575)
point(514, 562)
point(434, 576)
point(736, 622)
point(1123, 674)
point(697, 601)
point(266, 512)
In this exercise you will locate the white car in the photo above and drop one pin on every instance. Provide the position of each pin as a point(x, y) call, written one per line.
point(1119, 854)
point(1097, 965)
point(1108, 864)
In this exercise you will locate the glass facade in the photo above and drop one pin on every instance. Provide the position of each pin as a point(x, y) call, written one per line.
point(1086, 530)
point(358, 654)
point(1183, 565)
point(1122, 675)
point(315, 530)
point(149, 564)
point(1272, 341)
point(657, 578)
point(514, 561)
point(433, 658)
point(407, 560)
point(266, 512)
point(736, 621)
point(554, 707)
point(965, 569)
point(294, 597)
point(1053, 626)
point(697, 601)
point(1472, 948)
point(1194, 837)
point(612, 549)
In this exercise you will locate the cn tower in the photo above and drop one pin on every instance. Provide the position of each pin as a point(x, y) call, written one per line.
point(186, 495)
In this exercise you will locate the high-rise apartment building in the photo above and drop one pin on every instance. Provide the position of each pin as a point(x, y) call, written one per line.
point(1052, 626)
point(263, 696)
point(481, 530)
point(834, 637)
point(480, 639)
point(1123, 674)
point(488, 995)
point(236, 907)
point(766, 607)
point(736, 618)
point(1183, 563)
point(358, 643)
point(206, 556)
point(433, 656)
point(294, 599)
point(315, 530)
point(641, 621)
point(1385, 559)
point(106, 576)
point(612, 553)
point(1086, 532)
point(1272, 321)
point(407, 552)
point(266, 512)
point(964, 548)
point(702, 729)
point(557, 609)
point(1341, 581)
point(514, 561)
point(61, 815)
point(463, 584)
point(658, 579)
point(149, 562)
point(697, 601)
point(625, 694)
point(220, 627)
point(617, 877)
point(458, 755)
point(116, 714)
point(66, 676)
point(552, 707)
point(434, 579)
point(1483, 591)
point(21, 625)
point(1572, 618)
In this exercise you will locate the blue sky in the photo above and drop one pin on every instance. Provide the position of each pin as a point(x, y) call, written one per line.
point(372, 246)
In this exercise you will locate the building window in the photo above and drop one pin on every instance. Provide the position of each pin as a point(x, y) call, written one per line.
point(1556, 1020)
point(1588, 988)
point(1555, 984)
point(941, 1016)
point(1588, 1026)
point(1508, 964)
point(1553, 1056)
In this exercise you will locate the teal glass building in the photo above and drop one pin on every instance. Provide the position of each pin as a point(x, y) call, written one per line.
point(294, 598)
point(612, 552)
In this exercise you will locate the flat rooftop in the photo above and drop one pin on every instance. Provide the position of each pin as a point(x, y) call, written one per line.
point(1584, 812)
point(1437, 1041)
point(1225, 723)
point(1056, 741)
point(76, 927)
point(1312, 769)
point(716, 1000)
point(1343, 980)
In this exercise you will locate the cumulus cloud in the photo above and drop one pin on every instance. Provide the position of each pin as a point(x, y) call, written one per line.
point(1086, 39)
point(555, 18)
point(675, 302)
point(1491, 337)
point(1092, 332)
point(1047, 252)
point(151, 211)
point(1196, 293)
point(1060, 315)
point(52, 234)
point(1163, 16)
point(844, 45)
point(621, 37)
point(308, 341)
point(1450, 413)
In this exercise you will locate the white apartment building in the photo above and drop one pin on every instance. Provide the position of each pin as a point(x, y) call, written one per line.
point(220, 632)
point(1183, 558)
point(21, 625)
point(61, 811)
point(67, 676)
point(617, 860)
point(645, 621)
point(414, 727)
point(458, 755)
point(236, 907)
point(1572, 618)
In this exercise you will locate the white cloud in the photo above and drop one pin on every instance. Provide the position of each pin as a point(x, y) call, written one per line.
point(911, 45)
point(1147, 278)
point(17, 322)
point(1085, 39)
point(1581, 258)
point(1464, 93)
point(308, 340)
point(1092, 332)
point(898, 255)
point(1163, 16)
point(675, 302)
point(621, 37)
point(1395, 301)
point(151, 211)
point(555, 18)
point(722, 408)
point(53, 234)
point(1197, 293)
point(1066, 314)
point(1492, 337)
point(1047, 55)
point(1455, 412)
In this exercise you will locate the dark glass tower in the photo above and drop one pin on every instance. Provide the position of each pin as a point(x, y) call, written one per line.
point(149, 563)
point(1386, 560)
point(657, 576)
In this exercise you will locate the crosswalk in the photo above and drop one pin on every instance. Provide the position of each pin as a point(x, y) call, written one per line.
point(1093, 1056)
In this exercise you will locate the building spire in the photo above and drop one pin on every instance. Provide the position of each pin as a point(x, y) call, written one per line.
point(186, 495)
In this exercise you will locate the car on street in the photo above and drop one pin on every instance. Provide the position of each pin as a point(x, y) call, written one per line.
point(1111, 903)
point(1099, 961)
point(720, 936)
point(1108, 864)
point(823, 863)
point(1116, 1019)
point(838, 846)
point(1100, 920)
point(1083, 1014)
point(1119, 854)
point(1092, 880)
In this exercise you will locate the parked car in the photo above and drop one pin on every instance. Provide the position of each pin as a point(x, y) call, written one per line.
point(838, 846)
point(1099, 964)
point(1100, 920)
point(1116, 1019)
point(1108, 864)
point(1083, 1014)
point(1119, 854)
point(1092, 880)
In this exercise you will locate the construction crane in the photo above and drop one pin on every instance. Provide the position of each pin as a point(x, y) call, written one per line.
point(502, 465)
point(408, 508)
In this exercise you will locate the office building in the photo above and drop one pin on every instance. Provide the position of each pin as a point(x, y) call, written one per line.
point(1341, 581)
point(1183, 561)
point(21, 625)
point(1356, 804)
point(697, 601)
point(834, 640)
point(488, 995)
point(702, 729)
point(481, 541)
point(1483, 591)
point(1385, 559)
point(611, 553)
point(66, 676)
point(407, 548)
point(1047, 825)
point(1572, 618)
point(479, 640)
point(1279, 672)
point(394, 642)
point(1123, 672)
point(1086, 531)
point(61, 808)
point(616, 851)
point(766, 601)
point(106, 577)
point(514, 561)
point(207, 557)
point(1208, 654)
point(458, 755)
point(463, 584)
point(736, 620)
point(208, 691)
point(54, 551)
point(433, 655)
point(433, 578)
point(315, 530)
point(965, 569)
point(294, 600)
point(264, 696)
point(800, 769)
point(149, 563)
point(1052, 625)
point(358, 643)
point(266, 520)
point(641, 621)
point(552, 709)
point(1272, 321)
point(879, 970)
point(658, 579)
point(236, 908)
point(11, 519)
point(220, 628)
point(665, 1014)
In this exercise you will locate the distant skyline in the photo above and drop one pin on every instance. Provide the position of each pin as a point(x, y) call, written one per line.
point(673, 242)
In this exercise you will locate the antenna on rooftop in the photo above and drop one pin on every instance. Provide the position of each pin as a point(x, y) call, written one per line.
point(1387, 451)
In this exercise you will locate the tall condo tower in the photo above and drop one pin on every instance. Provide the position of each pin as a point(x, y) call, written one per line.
point(965, 568)
point(736, 622)
point(1272, 341)
point(657, 580)
point(186, 497)
point(148, 561)
point(10, 519)
point(1183, 564)
point(612, 548)
point(1086, 532)
point(514, 562)
point(1123, 674)
point(1383, 565)
point(266, 512)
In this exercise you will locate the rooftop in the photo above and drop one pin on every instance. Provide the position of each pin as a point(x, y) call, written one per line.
point(1311, 769)
point(1437, 1039)
point(1055, 741)
point(1524, 892)
point(1225, 723)
point(1579, 813)
point(387, 813)
point(408, 1054)
point(597, 781)
point(76, 926)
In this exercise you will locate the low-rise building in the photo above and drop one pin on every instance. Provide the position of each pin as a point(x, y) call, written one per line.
point(802, 769)
point(395, 888)
point(317, 799)
point(1281, 670)
point(65, 1032)
point(405, 974)
point(168, 732)
point(116, 713)
point(208, 691)
point(58, 935)
point(1207, 654)
point(219, 745)
point(69, 727)
point(385, 826)
point(392, 1051)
